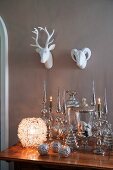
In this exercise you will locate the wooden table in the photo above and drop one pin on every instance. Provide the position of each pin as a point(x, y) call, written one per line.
point(29, 159)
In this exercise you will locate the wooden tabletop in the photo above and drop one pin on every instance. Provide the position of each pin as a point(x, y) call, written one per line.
point(17, 153)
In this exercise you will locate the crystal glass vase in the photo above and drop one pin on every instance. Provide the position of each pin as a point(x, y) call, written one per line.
point(72, 103)
point(84, 124)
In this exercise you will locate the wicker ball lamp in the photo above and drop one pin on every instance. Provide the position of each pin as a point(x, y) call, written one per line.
point(32, 132)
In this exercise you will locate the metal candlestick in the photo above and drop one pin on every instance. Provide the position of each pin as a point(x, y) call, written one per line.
point(99, 147)
point(63, 111)
point(61, 116)
point(49, 128)
point(64, 102)
point(44, 109)
point(93, 97)
point(58, 102)
point(50, 120)
point(62, 132)
point(105, 114)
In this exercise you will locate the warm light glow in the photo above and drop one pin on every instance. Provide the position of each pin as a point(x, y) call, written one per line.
point(50, 98)
point(32, 132)
point(99, 101)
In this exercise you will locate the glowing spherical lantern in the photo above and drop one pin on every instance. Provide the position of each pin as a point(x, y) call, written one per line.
point(32, 132)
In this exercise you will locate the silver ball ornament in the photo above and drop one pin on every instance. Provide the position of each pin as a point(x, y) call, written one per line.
point(43, 149)
point(55, 146)
point(64, 151)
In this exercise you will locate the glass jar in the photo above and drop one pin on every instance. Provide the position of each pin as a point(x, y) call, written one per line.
point(84, 123)
point(72, 103)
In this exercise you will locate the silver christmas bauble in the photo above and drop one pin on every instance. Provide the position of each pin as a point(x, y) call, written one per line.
point(55, 146)
point(64, 151)
point(43, 149)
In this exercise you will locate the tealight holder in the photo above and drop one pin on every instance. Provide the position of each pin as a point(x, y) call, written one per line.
point(43, 149)
point(64, 151)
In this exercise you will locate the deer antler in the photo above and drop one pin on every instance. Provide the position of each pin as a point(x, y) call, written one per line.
point(48, 36)
point(36, 39)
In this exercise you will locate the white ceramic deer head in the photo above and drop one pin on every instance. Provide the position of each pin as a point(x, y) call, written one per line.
point(81, 56)
point(45, 53)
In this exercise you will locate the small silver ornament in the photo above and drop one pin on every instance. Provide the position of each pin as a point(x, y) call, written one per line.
point(64, 151)
point(55, 146)
point(43, 149)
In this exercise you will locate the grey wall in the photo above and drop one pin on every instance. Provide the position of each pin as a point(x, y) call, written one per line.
point(77, 24)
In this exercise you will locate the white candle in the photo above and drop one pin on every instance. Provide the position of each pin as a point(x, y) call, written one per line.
point(64, 101)
point(50, 103)
point(45, 97)
point(105, 103)
point(58, 102)
point(99, 107)
point(94, 99)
